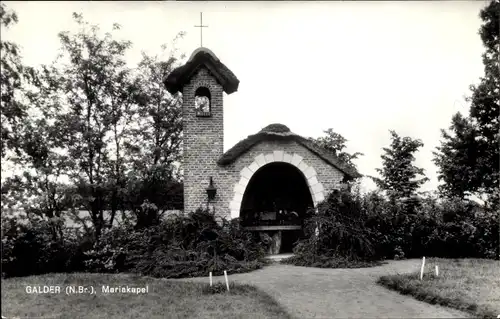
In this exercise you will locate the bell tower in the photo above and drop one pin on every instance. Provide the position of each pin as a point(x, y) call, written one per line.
point(202, 81)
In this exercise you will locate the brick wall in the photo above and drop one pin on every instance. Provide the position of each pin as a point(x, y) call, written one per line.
point(327, 175)
point(203, 140)
point(203, 145)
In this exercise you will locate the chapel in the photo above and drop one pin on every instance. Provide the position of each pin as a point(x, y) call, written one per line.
point(269, 180)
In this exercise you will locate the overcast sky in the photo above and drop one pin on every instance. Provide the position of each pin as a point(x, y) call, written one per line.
point(360, 68)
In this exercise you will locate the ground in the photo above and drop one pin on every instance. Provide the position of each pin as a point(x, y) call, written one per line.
point(466, 284)
point(282, 291)
point(165, 299)
point(340, 293)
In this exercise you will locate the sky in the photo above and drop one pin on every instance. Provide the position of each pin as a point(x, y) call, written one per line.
point(360, 68)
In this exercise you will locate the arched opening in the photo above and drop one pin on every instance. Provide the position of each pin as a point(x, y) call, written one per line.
point(275, 202)
point(202, 102)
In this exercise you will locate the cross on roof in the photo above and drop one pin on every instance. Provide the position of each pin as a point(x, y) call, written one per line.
point(201, 26)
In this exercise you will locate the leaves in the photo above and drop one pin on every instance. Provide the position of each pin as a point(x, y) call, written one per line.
point(336, 143)
point(399, 177)
point(468, 157)
point(12, 78)
point(97, 134)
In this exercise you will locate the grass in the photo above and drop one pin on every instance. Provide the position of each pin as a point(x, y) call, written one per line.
point(471, 285)
point(165, 299)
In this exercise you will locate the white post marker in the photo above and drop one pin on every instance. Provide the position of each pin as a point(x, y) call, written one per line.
point(210, 275)
point(437, 271)
point(227, 282)
point(422, 268)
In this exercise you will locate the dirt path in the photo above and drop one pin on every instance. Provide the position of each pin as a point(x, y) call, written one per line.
point(340, 293)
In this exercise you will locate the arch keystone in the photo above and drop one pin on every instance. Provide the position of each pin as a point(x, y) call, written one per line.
point(269, 158)
point(278, 156)
point(287, 158)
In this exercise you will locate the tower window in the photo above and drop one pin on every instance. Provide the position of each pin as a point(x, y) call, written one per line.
point(202, 102)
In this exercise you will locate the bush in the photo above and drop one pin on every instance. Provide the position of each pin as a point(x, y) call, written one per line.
point(450, 228)
point(356, 230)
point(29, 248)
point(335, 236)
point(181, 246)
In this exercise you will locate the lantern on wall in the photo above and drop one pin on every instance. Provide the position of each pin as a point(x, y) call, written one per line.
point(211, 190)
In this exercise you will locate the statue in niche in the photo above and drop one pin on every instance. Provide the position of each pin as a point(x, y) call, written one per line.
point(202, 104)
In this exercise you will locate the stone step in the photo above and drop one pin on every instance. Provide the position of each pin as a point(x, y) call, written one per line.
point(278, 257)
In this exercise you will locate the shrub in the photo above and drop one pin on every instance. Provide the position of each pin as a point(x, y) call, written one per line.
point(450, 228)
point(28, 248)
point(181, 246)
point(355, 230)
point(335, 236)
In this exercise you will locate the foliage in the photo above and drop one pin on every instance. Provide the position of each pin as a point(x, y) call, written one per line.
point(357, 230)
point(13, 78)
point(398, 174)
point(154, 145)
point(452, 228)
point(180, 246)
point(468, 157)
point(336, 143)
point(335, 236)
point(28, 248)
point(103, 136)
point(94, 90)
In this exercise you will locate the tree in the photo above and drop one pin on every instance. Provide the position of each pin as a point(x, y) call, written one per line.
point(93, 87)
point(398, 174)
point(468, 157)
point(12, 77)
point(39, 189)
point(155, 144)
point(336, 143)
